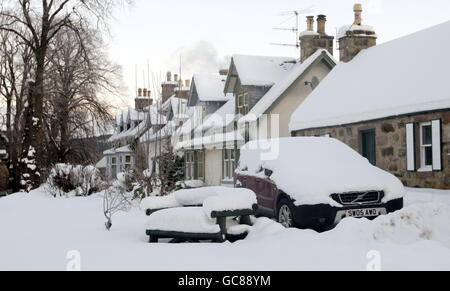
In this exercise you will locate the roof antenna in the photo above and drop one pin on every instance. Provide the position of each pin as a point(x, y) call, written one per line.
point(296, 29)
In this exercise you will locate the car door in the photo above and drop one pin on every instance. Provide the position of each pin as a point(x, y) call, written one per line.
point(266, 191)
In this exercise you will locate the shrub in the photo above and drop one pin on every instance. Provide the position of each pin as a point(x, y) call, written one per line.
point(67, 179)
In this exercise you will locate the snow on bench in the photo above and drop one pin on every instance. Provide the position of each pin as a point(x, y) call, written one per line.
point(225, 214)
point(192, 197)
point(230, 200)
point(183, 219)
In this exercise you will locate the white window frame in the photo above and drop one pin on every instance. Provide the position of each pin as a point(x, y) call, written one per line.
point(113, 167)
point(242, 107)
point(190, 162)
point(201, 173)
point(128, 164)
point(423, 147)
point(229, 164)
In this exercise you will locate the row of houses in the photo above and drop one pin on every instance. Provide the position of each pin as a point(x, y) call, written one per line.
point(390, 102)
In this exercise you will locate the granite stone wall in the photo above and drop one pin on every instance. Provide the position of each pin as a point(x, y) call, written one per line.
point(391, 146)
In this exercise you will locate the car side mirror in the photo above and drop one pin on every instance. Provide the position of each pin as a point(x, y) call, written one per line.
point(268, 173)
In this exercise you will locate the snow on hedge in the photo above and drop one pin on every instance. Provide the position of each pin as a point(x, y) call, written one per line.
point(183, 219)
point(310, 169)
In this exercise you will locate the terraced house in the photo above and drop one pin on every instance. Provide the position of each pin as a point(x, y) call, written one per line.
point(262, 93)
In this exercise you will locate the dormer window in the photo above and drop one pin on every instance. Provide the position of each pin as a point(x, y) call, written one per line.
point(242, 104)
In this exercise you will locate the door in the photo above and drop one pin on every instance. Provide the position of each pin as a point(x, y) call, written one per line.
point(368, 146)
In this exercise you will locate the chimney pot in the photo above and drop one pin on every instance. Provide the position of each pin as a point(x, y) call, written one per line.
point(188, 83)
point(140, 92)
point(321, 21)
point(145, 92)
point(310, 23)
point(169, 77)
point(175, 77)
point(223, 72)
point(358, 12)
point(149, 93)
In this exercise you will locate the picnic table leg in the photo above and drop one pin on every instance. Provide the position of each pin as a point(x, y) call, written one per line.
point(246, 220)
point(153, 239)
point(222, 222)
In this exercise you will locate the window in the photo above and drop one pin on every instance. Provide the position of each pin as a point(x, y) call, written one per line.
point(189, 165)
point(121, 163)
point(128, 163)
point(426, 146)
point(229, 164)
point(242, 107)
point(201, 165)
point(113, 167)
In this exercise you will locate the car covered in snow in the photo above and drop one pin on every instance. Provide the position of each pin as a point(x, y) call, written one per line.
point(313, 182)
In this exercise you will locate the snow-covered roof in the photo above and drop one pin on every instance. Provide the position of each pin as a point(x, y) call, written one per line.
point(326, 166)
point(210, 88)
point(261, 70)
point(399, 77)
point(177, 105)
point(220, 118)
point(280, 87)
point(136, 115)
point(124, 149)
point(215, 140)
point(308, 32)
point(103, 163)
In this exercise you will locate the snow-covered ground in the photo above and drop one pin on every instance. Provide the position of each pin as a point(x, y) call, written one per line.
point(37, 232)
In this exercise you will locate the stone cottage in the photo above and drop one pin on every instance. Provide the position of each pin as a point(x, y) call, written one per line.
point(390, 102)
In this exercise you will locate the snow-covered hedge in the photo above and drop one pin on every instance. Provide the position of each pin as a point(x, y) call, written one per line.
point(65, 179)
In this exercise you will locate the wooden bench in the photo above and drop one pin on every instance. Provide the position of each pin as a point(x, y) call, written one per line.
point(223, 219)
point(200, 214)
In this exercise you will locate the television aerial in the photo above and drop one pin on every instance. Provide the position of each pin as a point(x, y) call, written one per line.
point(293, 14)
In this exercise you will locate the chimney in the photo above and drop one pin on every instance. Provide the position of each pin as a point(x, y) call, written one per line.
point(223, 72)
point(169, 77)
point(355, 38)
point(175, 77)
point(188, 83)
point(310, 41)
point(321, 21)
point(140, 92)
point(145, 92)
point(358, 11)
point(310, 23)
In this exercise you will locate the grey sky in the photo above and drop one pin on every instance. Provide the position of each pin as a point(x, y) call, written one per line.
point(206, 32)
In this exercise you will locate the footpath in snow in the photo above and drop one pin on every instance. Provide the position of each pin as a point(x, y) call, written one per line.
point(38, 232)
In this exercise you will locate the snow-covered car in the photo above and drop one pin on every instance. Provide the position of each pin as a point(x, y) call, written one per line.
point(311, 182)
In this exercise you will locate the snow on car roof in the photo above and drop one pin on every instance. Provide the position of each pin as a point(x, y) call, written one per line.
point(390, 79)
point(310, 169)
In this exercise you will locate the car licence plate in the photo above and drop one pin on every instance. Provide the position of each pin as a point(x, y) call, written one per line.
point(368, 212)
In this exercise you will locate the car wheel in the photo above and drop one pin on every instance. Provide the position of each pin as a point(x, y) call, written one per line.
point(285, 215)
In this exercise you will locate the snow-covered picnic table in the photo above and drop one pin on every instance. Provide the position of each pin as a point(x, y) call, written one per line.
point(210, 213)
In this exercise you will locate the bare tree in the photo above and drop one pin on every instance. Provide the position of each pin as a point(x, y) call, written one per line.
point(15, 69)
point(78, 75)
point(36, 23)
